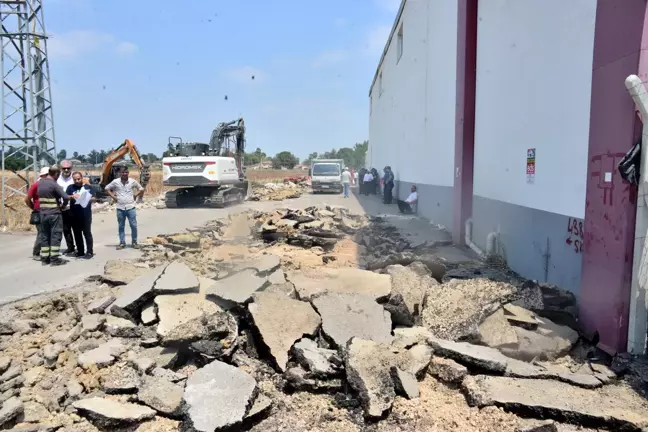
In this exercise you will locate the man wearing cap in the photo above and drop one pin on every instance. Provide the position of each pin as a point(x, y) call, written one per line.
point(33, 203)
point(65, 180)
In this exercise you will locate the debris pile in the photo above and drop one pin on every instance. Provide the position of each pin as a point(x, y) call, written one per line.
point(278, 191)
point(260, 345)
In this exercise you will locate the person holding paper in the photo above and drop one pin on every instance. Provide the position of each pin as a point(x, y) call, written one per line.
point(81, 198)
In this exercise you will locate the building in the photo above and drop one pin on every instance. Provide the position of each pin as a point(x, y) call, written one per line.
point(511, 117)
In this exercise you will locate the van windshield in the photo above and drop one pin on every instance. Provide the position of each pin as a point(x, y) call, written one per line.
point(331, 169)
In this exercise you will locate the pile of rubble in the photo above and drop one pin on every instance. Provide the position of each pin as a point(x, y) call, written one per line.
point(278, 191)
point(261, 344)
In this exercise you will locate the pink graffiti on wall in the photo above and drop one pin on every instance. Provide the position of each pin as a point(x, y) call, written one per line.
point(606, 163)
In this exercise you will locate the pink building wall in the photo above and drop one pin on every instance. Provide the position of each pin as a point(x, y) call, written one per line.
point(610, 205)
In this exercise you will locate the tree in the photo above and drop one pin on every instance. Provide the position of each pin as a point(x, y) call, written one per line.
point(285, 159)
point(93, 157)
point(348, 155)
point(360, 153)
point(61, 154)
point(75, 155)
point(151, 157)
point(254, 158)
point(311, 158)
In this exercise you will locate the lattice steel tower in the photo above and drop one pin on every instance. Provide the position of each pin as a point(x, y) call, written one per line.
point(26, 99)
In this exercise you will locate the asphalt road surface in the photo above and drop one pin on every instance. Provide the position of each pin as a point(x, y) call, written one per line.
point(21, 277)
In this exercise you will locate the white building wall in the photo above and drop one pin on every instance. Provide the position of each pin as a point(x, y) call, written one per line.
point(412, 116)
point(534, 78)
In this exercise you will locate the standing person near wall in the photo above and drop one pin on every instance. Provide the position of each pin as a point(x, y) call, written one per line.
point(33, 203)
point(52, 199)
point(388, 181)
point(65, 180)
point(81, 198)
point(122, 191)
point(368, 183)
point(376, 181)
point(346, 182)
point(361, 175)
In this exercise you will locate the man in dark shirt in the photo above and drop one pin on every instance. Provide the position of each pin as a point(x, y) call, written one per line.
point(81, 212)
point(51, 197)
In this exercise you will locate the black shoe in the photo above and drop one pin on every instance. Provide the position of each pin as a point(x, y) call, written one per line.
point(58, 262)
point(36, 257)
point(45, 261)
point(89, 255)
point(69, 252)
point(79, 255)
point(121, 246)
point(135, 245)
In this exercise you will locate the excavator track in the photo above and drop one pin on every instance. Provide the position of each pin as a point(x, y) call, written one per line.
point(171, 199)
point(225, 197)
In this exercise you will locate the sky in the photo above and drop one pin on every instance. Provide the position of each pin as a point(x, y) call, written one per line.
point(147, 70)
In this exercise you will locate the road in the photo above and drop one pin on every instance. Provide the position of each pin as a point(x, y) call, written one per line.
point(22, 277)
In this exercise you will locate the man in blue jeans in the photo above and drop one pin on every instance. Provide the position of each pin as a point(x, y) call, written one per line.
point(125, 191)
point(346, 182)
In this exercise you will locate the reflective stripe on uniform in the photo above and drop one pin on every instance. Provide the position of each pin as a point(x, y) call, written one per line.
point(48, 203)
point(45, 251)
point(48, 200)
point(46, 206)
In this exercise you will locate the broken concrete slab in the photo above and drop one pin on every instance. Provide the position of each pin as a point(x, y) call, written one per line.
point(410, 288)
point(312, 282)
point(143, 365)
point(149, 314)
point(277, 277)
point(177, 278)
point(169, 375)
point(407, 337)
point(544, 426)
point(236, 290)
point(164, 357)
point(119, 380)
point(120, 272)
point(220, 326)
point(5, 362)
point(415, 360)
point(33, 412)
point(135, 294)
point(103, 355)
point(321, 362)
point(368, 365)
point(475, 355)
point(11, 408)
point(162, 395)
point(92, 322)
point(287, 289)
point(11, 373)
point(176, 310)
point(100, 305)
point(405, 383)
point(217, 396)
point(120, 327)
point(521, 369)
point(264, 264)
point(74, 388)
point(345, 316)
point(108, 413)
point(281, 321)
point(447, 370)
point(456, 309)
point(519, 316)
point(66, 337)
point(547, 342)
point(262, 404)
point(301, 380)
point(496, 331)
point(615, 407)
point(550, 302)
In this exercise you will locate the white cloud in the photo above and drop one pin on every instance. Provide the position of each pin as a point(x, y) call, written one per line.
point(126, 48)
point(377, 39)
point(246, 75)
point(76, 43)
point(330, 58)
point(389, 5)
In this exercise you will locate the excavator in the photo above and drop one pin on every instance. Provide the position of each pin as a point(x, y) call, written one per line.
point(207, 174)
point(110, 172)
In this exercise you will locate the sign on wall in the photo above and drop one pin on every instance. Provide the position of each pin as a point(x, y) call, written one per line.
point(530, 165)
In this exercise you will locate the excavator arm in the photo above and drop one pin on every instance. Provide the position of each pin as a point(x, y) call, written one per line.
point(228, 139)
point(109, 173)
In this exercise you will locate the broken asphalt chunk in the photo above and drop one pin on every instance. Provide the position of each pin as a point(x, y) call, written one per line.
point(107, 413)
point(177, 278)
point(236, 290)
point(217, 396)
point(311, 282)
point(135, 295)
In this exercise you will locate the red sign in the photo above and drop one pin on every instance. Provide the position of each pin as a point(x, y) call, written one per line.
point(530, 168)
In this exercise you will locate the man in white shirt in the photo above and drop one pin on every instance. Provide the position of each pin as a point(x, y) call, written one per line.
point(346, 182)
point(412, 199)
point(65, 180)
point(367, 182)
point(122, 190)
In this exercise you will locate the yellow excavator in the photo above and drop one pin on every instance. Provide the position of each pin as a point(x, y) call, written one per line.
point(109, 171)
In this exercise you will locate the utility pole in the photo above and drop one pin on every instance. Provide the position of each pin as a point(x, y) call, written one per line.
point(26, 100)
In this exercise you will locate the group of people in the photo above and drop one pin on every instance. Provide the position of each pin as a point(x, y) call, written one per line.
point(61, 207)
point(370, 182)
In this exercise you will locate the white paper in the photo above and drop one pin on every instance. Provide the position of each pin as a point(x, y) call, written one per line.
point(608, 177)
point(84, 199)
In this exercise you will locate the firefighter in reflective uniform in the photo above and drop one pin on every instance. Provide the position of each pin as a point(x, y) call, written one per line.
point(52, 199)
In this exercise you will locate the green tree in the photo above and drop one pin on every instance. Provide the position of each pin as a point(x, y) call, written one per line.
point(285, 159)
point(311, 158)
point(13, 163)
point(151, 157)
point(75, 155)
point(61, 154)
point(348, 155)
point(360, 153)
point(93, 157)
